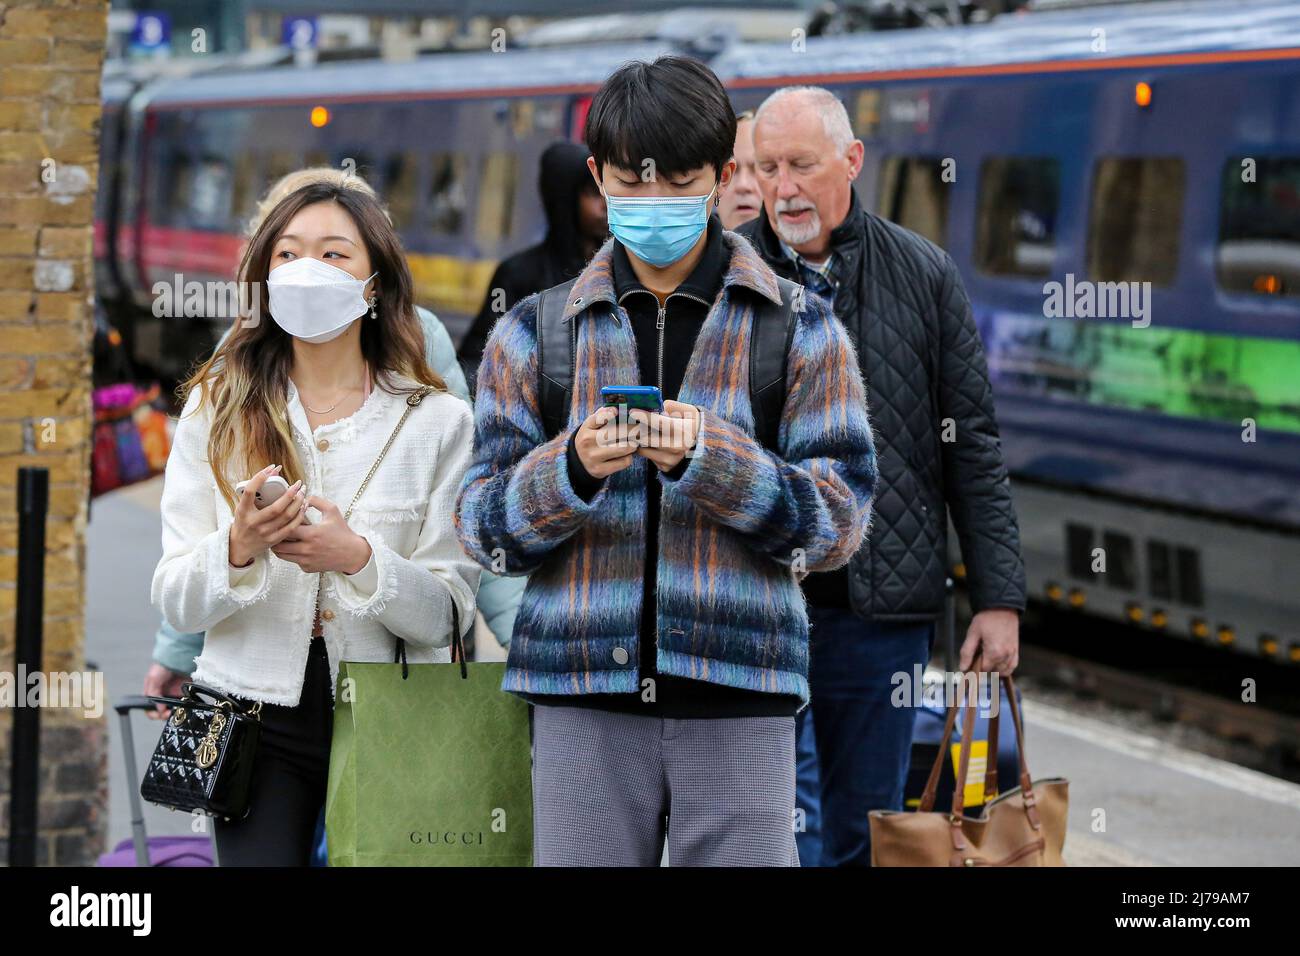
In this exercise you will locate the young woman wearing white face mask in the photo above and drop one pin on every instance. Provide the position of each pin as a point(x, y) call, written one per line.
point(313, 394)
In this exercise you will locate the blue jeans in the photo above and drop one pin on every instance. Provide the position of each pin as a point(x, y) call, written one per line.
point(853, 757)
point(807, 791)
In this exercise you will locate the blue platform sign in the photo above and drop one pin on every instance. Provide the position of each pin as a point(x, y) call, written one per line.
point(152, 32)
point(300, 33)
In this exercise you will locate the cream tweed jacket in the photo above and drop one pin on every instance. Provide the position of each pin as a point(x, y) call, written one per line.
point(259, 620)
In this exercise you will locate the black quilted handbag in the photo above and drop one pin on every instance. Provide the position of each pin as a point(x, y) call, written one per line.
point(205, 754)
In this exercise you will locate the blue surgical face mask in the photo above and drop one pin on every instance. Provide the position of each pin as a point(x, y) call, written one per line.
point(658, 229)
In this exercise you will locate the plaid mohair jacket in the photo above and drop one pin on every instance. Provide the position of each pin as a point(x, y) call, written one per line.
point(738, 528)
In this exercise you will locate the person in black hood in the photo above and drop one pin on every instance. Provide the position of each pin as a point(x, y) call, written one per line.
point(576, 227)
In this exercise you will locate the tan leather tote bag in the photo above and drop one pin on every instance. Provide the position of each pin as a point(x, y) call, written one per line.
point(1023, 827)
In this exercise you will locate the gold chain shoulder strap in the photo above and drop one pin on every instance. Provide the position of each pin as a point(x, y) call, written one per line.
point(412, 400)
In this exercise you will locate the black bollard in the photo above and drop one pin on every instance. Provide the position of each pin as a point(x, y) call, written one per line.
point(24, 779)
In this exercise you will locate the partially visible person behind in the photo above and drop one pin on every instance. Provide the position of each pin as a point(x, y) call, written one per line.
point(902, 301)
point(498, 600)
point(575, 229)
point(740, 200)
point(312, 388)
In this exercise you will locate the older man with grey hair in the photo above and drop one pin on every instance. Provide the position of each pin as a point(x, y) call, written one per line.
point(902, 301)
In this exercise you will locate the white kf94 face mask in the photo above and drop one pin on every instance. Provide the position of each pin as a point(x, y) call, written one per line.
point(315, 301)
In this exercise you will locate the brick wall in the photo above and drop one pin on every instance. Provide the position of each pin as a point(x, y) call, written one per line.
point(51, 53)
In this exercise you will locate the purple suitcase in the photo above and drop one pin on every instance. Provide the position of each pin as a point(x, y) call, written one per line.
point(163, 851)
point(141, 849)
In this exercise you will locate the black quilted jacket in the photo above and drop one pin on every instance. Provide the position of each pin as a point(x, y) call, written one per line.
point(902, 301)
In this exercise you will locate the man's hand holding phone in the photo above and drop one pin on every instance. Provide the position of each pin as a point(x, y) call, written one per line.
point(669, 435)
point(256, 529)
point(601, 448)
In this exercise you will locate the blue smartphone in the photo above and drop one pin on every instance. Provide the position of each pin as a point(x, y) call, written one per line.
point(646, 397)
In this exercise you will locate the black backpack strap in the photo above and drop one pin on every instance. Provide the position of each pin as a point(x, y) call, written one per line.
point(555, 357)
point(769, 350)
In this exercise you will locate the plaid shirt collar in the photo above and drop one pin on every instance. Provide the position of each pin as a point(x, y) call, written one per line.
point(819, 278)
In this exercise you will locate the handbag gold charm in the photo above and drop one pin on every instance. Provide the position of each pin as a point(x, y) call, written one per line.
point(206, 755)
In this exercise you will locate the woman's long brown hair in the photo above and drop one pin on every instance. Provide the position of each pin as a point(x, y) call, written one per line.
point(247, 378)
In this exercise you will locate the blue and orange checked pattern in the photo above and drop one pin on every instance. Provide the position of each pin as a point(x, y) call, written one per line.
point(738, 526)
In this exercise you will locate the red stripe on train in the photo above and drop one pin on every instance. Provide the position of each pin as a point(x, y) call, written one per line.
point(168, 251)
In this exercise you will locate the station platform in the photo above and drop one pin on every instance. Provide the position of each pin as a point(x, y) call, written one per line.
point(1160, 804)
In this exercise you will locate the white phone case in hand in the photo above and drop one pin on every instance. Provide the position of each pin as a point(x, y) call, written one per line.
point(272, 490)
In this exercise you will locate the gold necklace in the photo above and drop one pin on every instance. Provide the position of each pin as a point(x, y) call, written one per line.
point(326, 411)
point(323, 411)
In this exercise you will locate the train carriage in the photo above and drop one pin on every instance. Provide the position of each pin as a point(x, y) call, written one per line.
point(1120, 187)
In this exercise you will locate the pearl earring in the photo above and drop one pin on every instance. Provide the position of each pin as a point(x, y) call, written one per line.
point(373, 313)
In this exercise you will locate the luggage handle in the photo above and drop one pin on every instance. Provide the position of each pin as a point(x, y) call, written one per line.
point(125, 705)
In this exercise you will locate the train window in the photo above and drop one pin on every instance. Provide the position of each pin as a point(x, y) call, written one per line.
point(1016, 222)
point(447, 193)
point(1121, 560)
point(1259, 226)
point(867, 114)
point(401, 172)
point(245, 190)
point(170, 205)
point(1190, 591)
point(496, 197)
point(523, 118)
point(278, 165)
point(197, 195)
point(1160, 570)
point(1078, 551)
point(209, 193)
point(914, 194)
point(1134, 222)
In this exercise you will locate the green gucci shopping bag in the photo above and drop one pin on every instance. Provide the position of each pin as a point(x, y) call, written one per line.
point(430, 766)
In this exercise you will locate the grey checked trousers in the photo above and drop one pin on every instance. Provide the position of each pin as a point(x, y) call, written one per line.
point(609, 788)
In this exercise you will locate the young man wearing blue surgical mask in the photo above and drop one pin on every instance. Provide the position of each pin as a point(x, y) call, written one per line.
point(663, 638)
